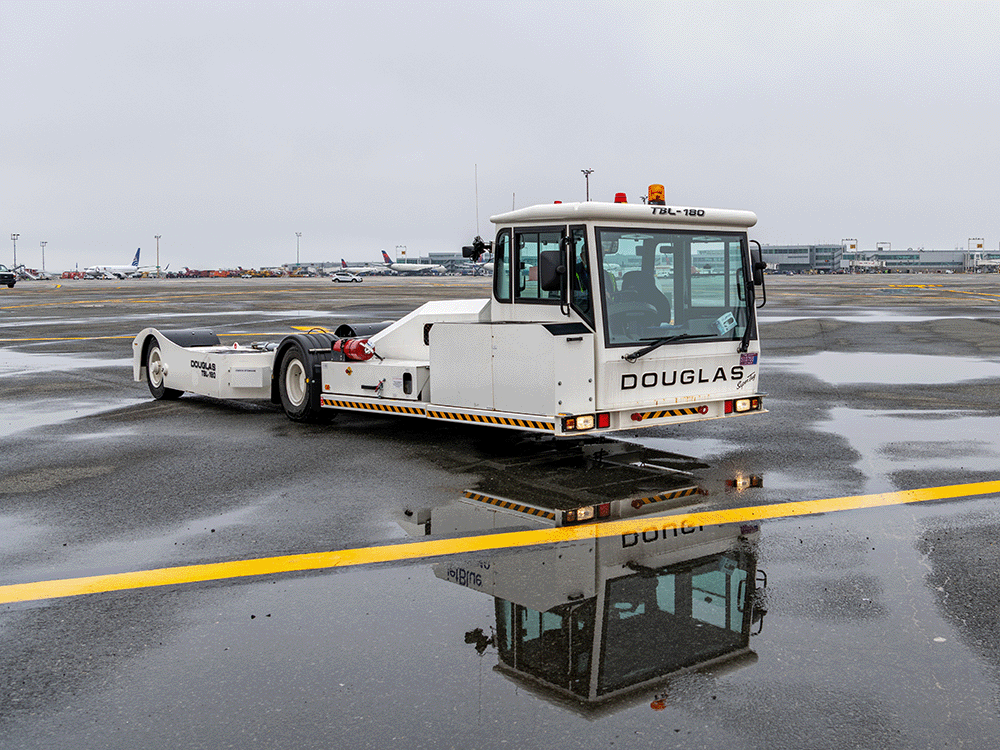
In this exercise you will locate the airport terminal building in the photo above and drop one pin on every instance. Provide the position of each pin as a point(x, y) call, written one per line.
point(836, 258)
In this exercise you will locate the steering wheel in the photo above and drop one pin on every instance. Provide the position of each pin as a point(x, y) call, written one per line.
point(627, 314)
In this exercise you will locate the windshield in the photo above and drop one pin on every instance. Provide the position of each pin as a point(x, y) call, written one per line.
point(667, 283)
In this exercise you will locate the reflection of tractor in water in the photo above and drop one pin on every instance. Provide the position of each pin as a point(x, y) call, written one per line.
point(599, 618)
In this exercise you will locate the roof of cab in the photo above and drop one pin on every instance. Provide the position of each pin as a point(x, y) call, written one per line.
point(628, 212)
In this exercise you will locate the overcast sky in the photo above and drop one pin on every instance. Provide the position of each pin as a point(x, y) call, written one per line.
point(228, 127)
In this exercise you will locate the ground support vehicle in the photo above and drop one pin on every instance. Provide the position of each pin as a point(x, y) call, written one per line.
point(7, 277)
point(603, 317)
point(341, 277)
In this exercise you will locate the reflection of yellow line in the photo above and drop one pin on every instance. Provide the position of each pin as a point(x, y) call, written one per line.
point(23, 592)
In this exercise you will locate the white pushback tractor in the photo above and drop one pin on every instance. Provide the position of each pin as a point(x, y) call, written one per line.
point(603, 317)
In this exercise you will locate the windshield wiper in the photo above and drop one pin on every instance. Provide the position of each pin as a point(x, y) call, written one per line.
point(665, 340)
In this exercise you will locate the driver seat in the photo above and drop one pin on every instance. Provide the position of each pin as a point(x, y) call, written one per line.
point(643, 286)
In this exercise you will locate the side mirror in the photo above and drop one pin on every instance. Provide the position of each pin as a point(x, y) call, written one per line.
point(551, 271)
point(757, 265)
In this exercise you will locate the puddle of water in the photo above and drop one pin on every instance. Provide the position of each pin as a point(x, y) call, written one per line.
point(27, 415)
point(890, 442)
point(16, 533)
point(359, 649)
point(90, 436)
point(701, 447)
point(20, 363)
point(845, 368)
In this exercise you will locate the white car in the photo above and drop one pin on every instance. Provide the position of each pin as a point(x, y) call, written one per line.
point(345, 276)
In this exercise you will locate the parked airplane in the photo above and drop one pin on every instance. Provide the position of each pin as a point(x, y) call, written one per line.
point(361, 268)
point(119, 272)
point(411, 268)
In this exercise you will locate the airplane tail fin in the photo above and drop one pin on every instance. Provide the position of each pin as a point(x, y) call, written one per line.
point(386, 258)
point(343, 263)
point(135, 260)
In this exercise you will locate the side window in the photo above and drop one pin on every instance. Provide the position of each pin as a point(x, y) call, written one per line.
point(501, 266)
point(529, 244)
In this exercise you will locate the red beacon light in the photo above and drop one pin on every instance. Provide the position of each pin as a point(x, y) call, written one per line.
point(554, 202)
point(620, 198)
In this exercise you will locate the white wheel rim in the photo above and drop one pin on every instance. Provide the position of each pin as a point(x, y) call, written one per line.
point(155, 367)
point(295, 382)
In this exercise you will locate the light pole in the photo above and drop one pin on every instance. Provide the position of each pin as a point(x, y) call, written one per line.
point(586, 176)
point(43, 244)
point(157, 236)
point(13, 238)
point(298, 236)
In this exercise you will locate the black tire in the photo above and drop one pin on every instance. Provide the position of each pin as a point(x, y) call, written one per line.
point(10, 285)
point(298, 389)
point(154, 374)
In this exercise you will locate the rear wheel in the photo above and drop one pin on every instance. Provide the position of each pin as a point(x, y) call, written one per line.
point(298, 389)
point(155, 373)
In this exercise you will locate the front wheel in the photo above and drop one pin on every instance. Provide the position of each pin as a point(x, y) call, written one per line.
point(155, 373)
point(297, 388)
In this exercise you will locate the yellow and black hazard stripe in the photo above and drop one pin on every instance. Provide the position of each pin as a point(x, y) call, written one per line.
point(686, 492)
point(687, 411)
point(338, 403)
point(528, 424)
point(507, 504)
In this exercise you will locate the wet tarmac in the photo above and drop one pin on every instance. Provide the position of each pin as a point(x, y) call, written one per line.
point(862, 628)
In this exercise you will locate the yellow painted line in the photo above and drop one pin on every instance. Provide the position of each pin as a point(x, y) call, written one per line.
point(972, 293)
point(24, 592)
